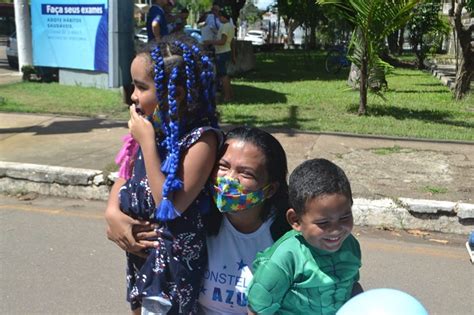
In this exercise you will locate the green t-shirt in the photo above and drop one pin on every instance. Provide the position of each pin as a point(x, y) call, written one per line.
point(292, 277)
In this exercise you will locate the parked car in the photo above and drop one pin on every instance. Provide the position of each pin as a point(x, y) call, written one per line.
point(142, 35)
point(257, 37)
point(12, 51)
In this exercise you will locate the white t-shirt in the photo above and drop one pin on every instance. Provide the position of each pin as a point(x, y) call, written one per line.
point(228, 30)
point(231, 254)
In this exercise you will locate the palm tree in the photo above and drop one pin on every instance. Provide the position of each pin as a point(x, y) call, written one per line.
point(373, 21)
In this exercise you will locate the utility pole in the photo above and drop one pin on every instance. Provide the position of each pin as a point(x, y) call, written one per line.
point(23, 32)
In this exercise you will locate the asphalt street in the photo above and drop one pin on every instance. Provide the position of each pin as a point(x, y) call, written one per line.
point(55, 259)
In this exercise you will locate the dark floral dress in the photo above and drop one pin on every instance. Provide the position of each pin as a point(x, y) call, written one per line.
point(173, 271)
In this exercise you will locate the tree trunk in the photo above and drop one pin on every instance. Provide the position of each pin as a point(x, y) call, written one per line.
point(290, 28)
point(464, 76)
point(401, 40)
point(392, 40)
point(420, 58)
point(312, 38)
point(363, 86)
point(354, 77)
point(465, 69)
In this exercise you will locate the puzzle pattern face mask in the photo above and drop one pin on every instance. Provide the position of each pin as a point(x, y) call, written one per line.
point(231, 196)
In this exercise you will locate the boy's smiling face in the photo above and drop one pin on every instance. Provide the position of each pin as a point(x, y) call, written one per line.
point(326, 222)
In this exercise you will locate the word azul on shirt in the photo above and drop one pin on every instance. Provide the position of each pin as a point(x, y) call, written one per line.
point(229, 296)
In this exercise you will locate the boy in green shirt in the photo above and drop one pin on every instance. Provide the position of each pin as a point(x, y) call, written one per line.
point(314, 268)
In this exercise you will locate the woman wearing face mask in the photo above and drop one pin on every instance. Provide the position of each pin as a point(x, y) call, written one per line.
point(251, 197)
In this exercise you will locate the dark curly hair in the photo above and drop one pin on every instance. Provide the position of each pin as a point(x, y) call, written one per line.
point(315, 178)
point(277, 170)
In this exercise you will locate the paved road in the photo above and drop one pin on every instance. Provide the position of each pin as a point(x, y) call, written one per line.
point(55, 259)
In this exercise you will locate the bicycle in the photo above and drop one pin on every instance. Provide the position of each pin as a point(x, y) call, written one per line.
point(336, 59)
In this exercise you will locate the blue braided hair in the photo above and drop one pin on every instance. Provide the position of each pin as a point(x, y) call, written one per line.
point(178, 63)
point(159, 117)
point(207, 82)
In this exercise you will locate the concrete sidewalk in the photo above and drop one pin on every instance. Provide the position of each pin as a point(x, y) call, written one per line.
point(396, 183)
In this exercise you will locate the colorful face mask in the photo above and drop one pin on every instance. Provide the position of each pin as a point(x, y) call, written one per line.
point(230, 196)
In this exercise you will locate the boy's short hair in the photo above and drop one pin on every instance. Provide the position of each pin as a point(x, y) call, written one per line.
point(315, 178)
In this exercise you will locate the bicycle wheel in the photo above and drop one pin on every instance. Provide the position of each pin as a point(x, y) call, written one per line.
point(333, 62)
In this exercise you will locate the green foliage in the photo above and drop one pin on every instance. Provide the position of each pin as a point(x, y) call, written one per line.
point(250, 13)
point(305, 12)
point(427, 28)
point(288, 89)
point(28, 71)
point(194, 5)
point(390, 150)
point(435, 189)
point(470, 5)
point(32, 97)
point(334, 28)
point(292, 90)
point(374, 20)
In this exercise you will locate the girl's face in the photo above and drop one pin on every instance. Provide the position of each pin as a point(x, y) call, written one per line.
point(326, 222)
point(144, 93)
point(245, 162)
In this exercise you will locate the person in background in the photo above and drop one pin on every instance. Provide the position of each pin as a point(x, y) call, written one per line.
point(184, 14)
point(209, 23)
point(179, 21)
point(156, 24)
point(224, 53)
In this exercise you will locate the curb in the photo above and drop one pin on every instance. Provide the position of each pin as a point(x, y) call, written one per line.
point(54, 181)
point(399, 213)
point(444, 74)
point(446, 80)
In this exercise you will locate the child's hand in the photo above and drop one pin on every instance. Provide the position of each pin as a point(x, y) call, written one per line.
point(140, 128)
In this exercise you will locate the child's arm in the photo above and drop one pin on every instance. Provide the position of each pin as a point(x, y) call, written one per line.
point(120, 225)
point(196, 163)
point(267, 289)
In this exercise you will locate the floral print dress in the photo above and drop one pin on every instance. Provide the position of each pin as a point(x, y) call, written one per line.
point(173, 271)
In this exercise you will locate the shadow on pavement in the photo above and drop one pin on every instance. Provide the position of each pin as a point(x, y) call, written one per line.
point(65, 127)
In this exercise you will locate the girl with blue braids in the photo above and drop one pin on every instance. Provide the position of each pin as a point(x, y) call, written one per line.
point(165, 166)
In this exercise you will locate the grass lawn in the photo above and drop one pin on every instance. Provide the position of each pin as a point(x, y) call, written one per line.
point(290, 90)
point(293, 90)
point(32, 97)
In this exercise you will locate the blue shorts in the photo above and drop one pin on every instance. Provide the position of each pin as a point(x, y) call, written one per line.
point(222, 60)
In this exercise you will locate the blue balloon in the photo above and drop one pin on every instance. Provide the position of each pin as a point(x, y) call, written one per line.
point(383, 302)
